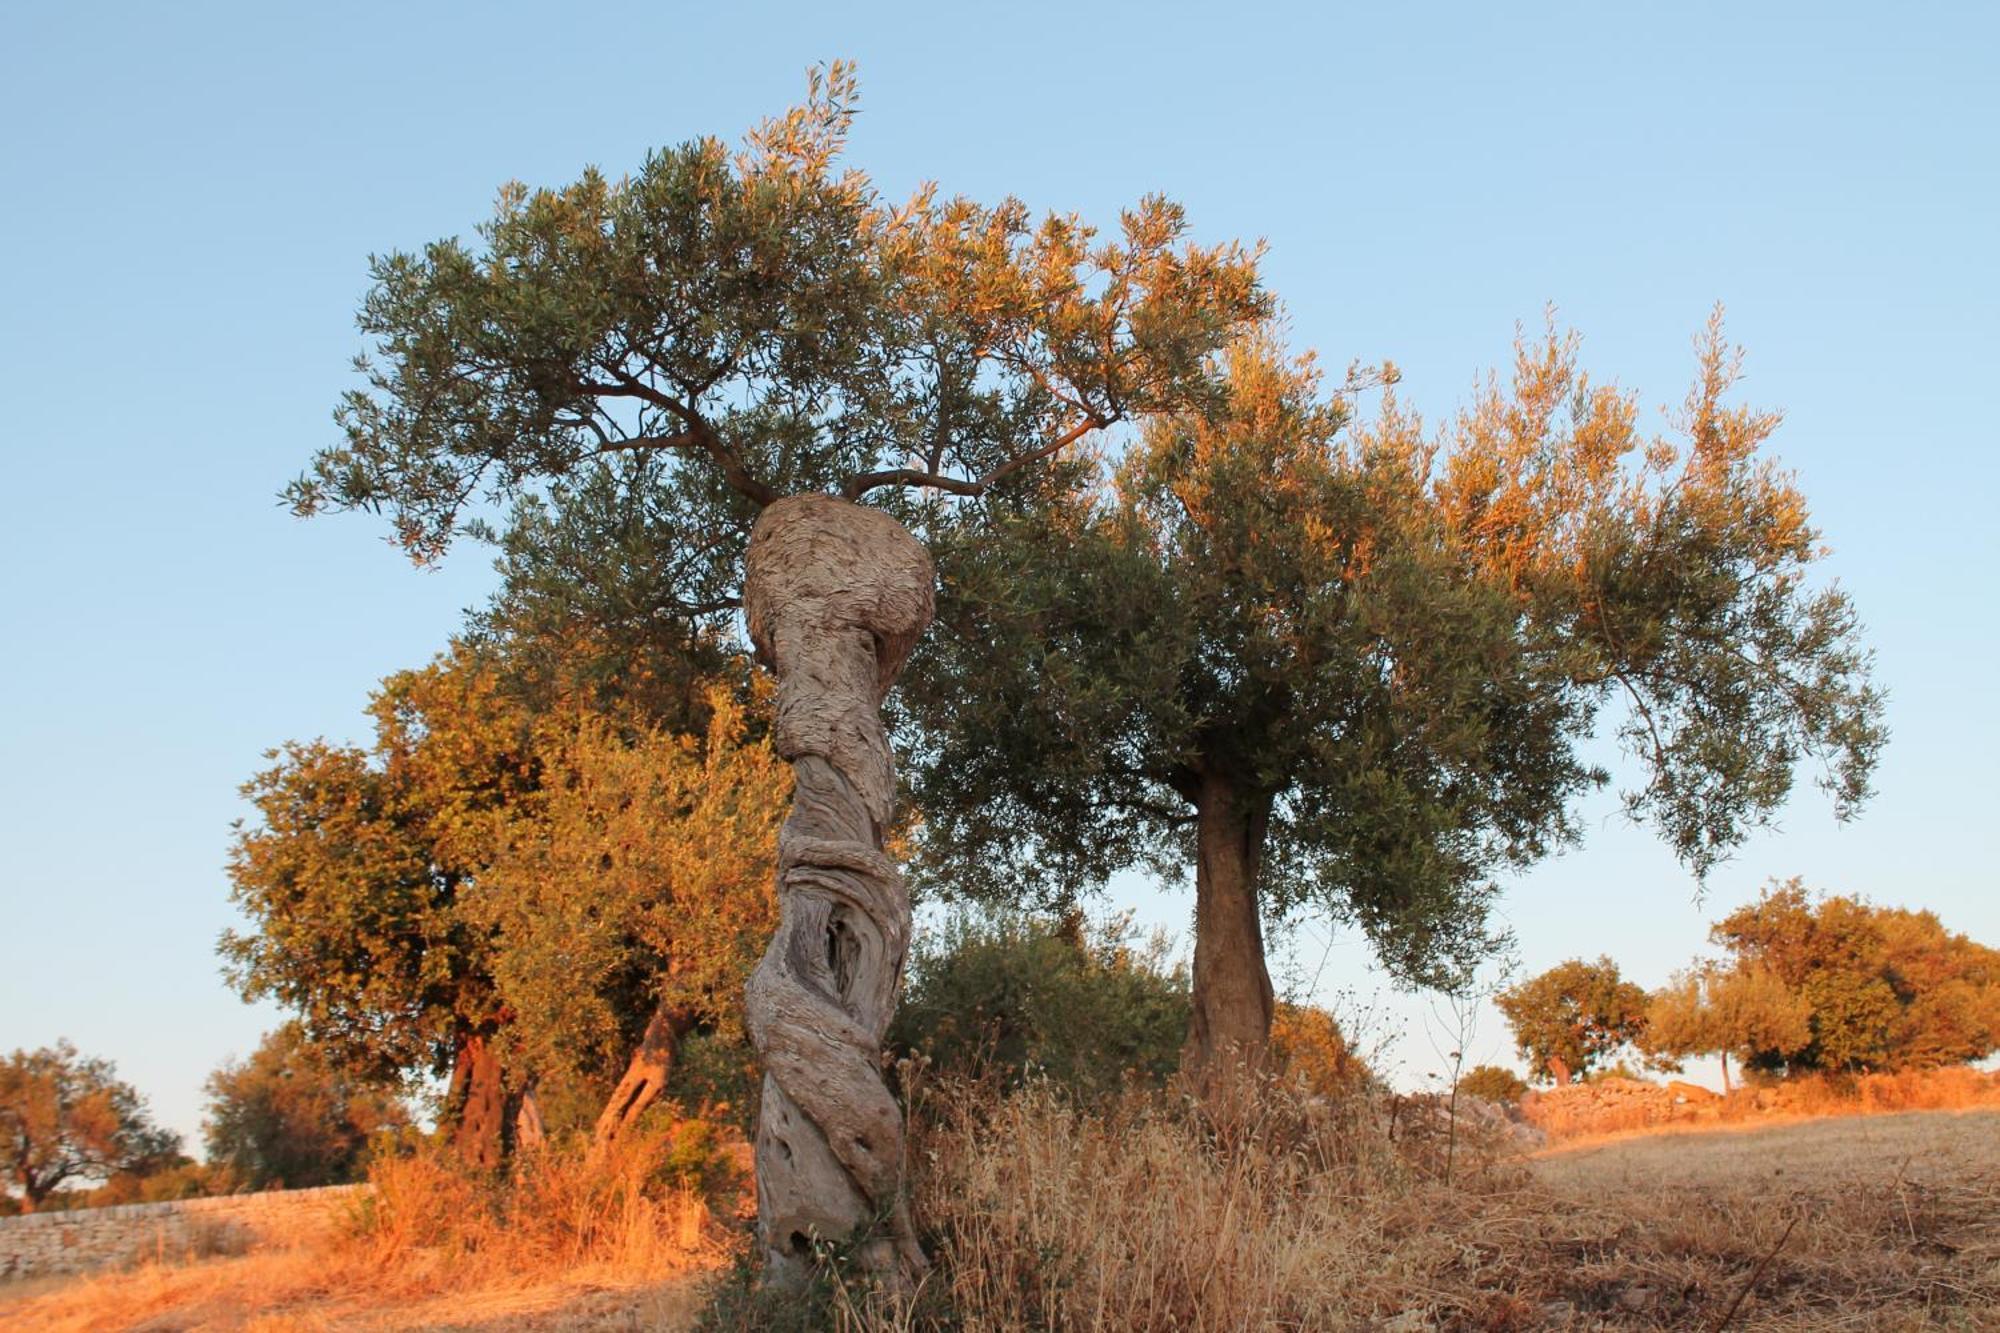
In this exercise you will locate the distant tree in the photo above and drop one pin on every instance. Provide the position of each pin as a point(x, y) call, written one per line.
point(1947, 987)
point(66, 1118)
point(172, 1177)
point(1308, 1045)
point(1864, 987)
point(1573, 1017)
point(1090, 1006)
point(1714, 1009)
point(1494, 1084)
point(1350, 666)
point(288, 1118)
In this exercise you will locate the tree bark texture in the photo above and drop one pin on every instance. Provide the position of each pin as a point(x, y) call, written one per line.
point(836, 596)
point(1233, 1000)
point(481, 1102)
point(645, 1075)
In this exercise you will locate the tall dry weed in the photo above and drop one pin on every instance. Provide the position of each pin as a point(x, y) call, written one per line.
point(1268, 1209)
point(1258, 1206)
point(635, 1208)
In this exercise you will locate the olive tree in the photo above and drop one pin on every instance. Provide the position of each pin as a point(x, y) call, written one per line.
point(1352, 664)
point(800, 372)
point(66, 1118)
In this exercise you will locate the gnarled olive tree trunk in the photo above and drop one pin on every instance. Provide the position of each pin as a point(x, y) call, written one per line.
point(1232, 987)
point(478, 1097)
point(836, 595)
point(645, 1075)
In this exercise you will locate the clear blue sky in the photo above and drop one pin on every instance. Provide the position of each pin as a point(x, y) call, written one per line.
point(188, 195)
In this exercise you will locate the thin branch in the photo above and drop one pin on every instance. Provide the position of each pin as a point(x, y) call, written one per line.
point(1743, 1292)
point(699, 430)
point(685, 439)
point(862, 483)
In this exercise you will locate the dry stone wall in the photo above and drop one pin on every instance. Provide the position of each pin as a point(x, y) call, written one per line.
point(80, 1239)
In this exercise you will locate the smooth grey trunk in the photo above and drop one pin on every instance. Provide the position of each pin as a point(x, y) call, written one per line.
point(531, 1134)
point(836, 596)
point(1233, 1001)
point(645, 1075)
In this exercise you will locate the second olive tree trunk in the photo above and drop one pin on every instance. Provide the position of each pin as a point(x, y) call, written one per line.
point(836, 595)
point(1233, 1002)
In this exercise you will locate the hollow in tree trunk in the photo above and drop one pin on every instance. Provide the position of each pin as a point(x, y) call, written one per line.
point(836, 596)
point(645, 1075)
point(1232, 988)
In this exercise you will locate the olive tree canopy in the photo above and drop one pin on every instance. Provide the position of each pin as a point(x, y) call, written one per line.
point(1351, 665)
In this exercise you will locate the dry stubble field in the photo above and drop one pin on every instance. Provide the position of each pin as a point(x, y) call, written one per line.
point(1860, 1222)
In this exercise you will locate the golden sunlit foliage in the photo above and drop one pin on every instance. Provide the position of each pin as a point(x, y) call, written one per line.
point(503, 892)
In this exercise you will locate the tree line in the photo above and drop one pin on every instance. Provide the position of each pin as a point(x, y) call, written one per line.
point(1805, 983)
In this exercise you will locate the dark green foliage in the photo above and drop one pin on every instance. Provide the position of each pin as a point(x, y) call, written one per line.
point(1087, 1006)
point(1391, 646)
point(715, 1077)
point(287, 1118)
point(675, 348)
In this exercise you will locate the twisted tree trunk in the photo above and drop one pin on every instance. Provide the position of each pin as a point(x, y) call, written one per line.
point(836, 595)
point(1233, 1002)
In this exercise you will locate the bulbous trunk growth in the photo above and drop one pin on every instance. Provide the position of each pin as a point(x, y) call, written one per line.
point(1232, 989)
point(836, 596)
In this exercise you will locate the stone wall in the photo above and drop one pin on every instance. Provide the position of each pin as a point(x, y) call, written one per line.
point(85, 1238)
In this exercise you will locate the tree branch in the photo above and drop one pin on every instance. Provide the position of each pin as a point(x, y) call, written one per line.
point(862, 483)
point(699, 433)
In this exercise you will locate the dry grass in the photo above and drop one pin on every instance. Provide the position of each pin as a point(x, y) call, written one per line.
point(562, 1246)
point(1285, 1214)
point(1266, 1210)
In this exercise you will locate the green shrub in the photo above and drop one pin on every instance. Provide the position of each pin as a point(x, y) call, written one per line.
point(1089, 1006)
